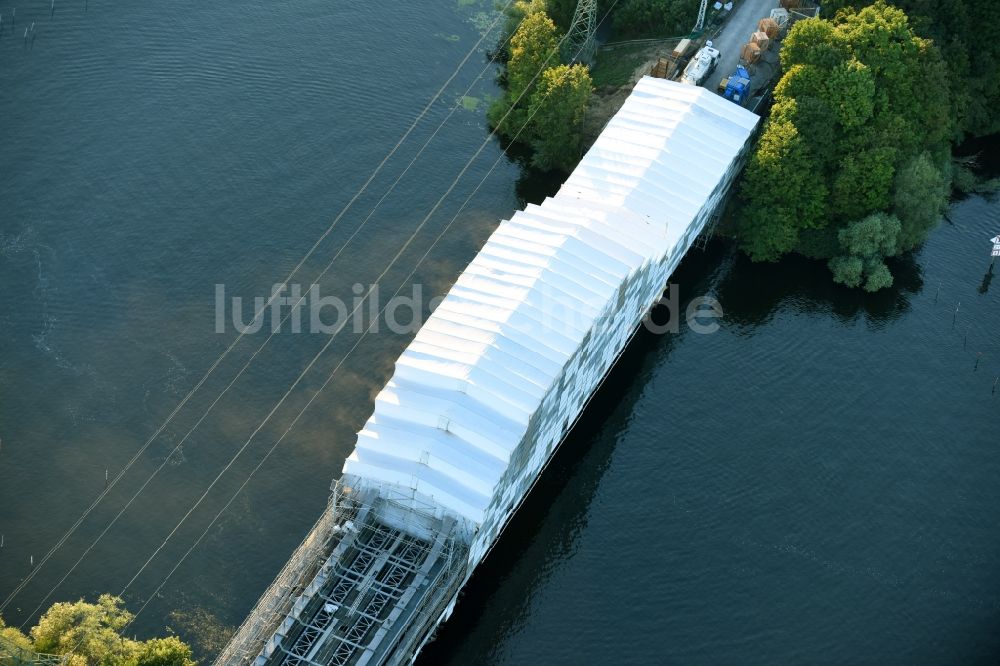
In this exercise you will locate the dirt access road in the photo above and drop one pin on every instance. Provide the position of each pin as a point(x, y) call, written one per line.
point(736, 33)
point(606, 102)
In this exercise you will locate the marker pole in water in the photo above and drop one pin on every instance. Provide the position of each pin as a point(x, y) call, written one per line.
point(979, 355)
point(955, 316)
point(995, 380)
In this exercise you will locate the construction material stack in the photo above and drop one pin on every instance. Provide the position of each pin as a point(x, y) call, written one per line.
point(666, 67)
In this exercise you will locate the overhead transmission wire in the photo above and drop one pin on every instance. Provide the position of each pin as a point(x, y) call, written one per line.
point(274, 331)
point(332, 337)
point(62, 540)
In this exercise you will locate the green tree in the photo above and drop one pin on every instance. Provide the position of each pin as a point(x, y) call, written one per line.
point(866, 243)
point(169, 651)
point(861, 99)
point(782, 191)
point(852, 84)
point(14, 638)
point(847, 270)
point(862, 183)
point(557, 109)
point(561, 12)
point(89, 630)
point(873, 236)
point(545, 101)
point(90, 634)
point(968, 35)
point(654, 18)
point(533, 48)
point(920, 194)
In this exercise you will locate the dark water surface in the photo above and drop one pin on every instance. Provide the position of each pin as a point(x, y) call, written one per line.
point(817, 482)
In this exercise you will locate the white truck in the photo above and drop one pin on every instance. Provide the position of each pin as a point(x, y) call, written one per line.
point(702, 64)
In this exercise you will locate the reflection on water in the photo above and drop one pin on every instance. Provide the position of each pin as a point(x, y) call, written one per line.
point(753, 293)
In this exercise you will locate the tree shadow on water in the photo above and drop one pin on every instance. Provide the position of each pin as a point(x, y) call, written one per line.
point(533, 185)
point(752, 293)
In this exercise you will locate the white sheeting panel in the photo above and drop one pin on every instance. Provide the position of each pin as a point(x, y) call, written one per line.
point(508, 359)
point(461, 416)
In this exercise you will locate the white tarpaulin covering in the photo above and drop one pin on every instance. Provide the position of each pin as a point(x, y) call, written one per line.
point(506, 363)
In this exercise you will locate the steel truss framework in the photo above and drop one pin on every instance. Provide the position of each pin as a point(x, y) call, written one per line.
point(581, 41)
point(387, 569)
point(358, 597)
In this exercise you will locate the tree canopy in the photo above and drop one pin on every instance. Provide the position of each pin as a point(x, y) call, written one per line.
point(654, 18)
point(545, 101)
point(89, 633)
point(968, 36)
point(556, 112)
point(860, 125)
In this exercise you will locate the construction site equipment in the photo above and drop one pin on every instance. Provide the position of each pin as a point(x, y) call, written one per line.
point(702, 65)
point(780, 16)
point(761, 39)
point(738, 86)
point(770, 27)
point(666, 66)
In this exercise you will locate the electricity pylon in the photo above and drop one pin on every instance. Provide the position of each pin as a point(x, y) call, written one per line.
point(701, 16)
point(581, 40)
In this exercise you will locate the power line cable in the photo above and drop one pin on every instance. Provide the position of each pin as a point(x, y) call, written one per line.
point(349, 352)
point(62, 540)
point(246, 365)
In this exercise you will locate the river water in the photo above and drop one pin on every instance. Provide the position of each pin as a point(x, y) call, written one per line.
point(816, 482)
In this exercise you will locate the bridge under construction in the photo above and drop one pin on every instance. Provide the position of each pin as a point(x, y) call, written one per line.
point(491, 384)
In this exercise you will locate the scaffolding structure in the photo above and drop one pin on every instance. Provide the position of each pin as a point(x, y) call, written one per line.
point(386, 569)
point(14, 655)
